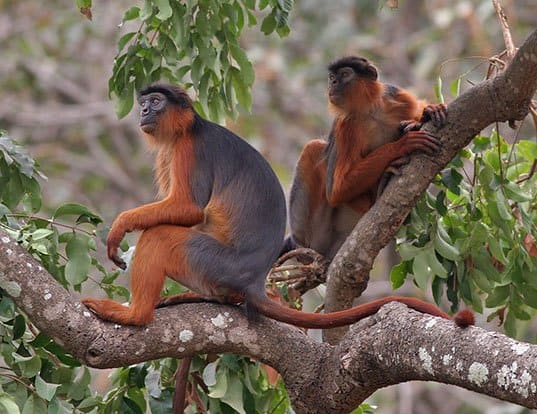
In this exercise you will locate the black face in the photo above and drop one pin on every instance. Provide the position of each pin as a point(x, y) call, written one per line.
point(343, 72)
point(151, 106)
point(338, 81)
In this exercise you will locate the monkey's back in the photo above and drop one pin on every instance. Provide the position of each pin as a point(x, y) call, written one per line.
point(243, 201)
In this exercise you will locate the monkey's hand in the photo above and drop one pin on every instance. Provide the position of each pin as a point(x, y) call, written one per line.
point(406, 126)
point(117, 232)
point(436, 113)
point(417, 141)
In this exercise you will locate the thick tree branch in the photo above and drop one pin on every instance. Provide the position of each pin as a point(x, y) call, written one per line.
point(396, 345)
point(503, 98)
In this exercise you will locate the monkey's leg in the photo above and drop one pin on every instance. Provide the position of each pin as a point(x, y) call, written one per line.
point(159, 252)
point(187, 297)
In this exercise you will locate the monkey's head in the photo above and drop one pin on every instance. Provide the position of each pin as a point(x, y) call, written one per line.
point(165, 111)
point(343, 74)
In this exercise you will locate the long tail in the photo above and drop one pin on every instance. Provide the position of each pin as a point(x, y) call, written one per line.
point(274, 310)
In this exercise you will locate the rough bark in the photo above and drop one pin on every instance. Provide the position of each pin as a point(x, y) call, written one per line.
point(396, 345)
point(503, 98)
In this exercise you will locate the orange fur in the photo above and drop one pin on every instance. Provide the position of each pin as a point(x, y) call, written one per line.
point(366, 141)
point(217, 222)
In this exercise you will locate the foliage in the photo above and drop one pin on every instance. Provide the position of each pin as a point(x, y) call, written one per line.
point(37, 374)
point(195, 38)
point(472, 235)
point(229, 384)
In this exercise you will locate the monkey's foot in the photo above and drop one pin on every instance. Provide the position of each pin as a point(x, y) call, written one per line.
point(111, 311)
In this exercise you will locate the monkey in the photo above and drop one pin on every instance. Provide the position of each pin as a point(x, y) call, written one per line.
point(336, 181)
point(218, 227)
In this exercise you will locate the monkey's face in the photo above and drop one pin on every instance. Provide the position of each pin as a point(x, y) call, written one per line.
point(343, 75)
point(152, 106)
point(339, 82)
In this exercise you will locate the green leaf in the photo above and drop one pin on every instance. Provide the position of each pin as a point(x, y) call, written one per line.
point(269, 24)
point(455, 87)
point(79, 387)
point(440, 203)
point(83, 3)
point(19, 326)
point(245, 66)
point(131, 14)
point(481, 280)
point(8, 405)
point(242, 91)
point(40, 234)
point(12, 288)
point(398, 274)
point(516, 193)
point(146, 11)
point(209, 374)
point(58, 406)
point(443, 245)
point(40, 340)
point(29, 366)
point(34, 405)
point(152, 383)
point(530, 296)
point(162, 405)
point(125, 39)
point(233, 396)
point(527, 148)
point(407, 251)
point(434, 264)
point(498, 296)
point(438, 90)
point(496, 250)
point(124, 102)
point(83, 213)
point(89, 402)
point(452, 179)
point(503, 207)
point(45, 389)
point(510, 324)
point(77, 268)
point(219, 389)
point(420, 270)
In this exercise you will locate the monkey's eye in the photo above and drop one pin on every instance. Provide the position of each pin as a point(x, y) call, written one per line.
point(346, 73)
point(331, 76)
point(155, 101)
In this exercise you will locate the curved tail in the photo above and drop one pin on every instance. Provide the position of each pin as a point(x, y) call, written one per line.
point(274, 310)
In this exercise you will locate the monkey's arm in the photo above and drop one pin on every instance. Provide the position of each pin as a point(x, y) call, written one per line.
point(350, 181)
point(171, 210)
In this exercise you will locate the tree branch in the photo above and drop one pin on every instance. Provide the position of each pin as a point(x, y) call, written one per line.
point(503, 98)
point(320, 378)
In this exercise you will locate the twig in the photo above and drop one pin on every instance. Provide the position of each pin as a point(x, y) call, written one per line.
point(507, 38)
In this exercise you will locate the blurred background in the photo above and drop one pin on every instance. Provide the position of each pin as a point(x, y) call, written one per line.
point(55, 66)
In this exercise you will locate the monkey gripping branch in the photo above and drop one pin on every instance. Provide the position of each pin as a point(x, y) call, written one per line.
point(395, 345)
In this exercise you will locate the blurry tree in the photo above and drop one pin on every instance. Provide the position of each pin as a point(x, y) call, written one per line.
point(57, 84)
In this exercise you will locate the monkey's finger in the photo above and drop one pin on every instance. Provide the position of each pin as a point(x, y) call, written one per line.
point(399, 162)
point(112, 255)
point(438, 119)
point(411, 126)
point(429, 145)
point(392, 170)
point(120, 263)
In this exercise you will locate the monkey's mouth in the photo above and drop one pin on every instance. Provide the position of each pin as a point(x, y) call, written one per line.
point(334, 98)
point(148, 127)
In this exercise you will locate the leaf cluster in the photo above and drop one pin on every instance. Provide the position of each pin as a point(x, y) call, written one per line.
point(472, 235)
point(193, 44)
